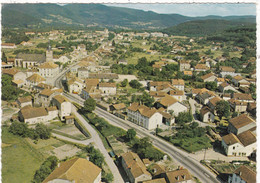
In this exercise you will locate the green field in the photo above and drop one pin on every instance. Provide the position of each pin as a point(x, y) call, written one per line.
point(19, 159)
point(193, 144)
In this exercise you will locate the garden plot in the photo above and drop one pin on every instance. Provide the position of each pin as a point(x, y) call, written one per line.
point(65, 151)
point(70, 131)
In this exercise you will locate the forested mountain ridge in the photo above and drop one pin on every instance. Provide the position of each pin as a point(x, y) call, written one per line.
point(44, 15)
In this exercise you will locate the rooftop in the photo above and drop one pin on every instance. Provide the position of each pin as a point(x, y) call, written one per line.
point(77, 169)
point(241, 121)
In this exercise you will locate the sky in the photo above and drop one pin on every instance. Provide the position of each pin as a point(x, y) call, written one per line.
point(193, 10)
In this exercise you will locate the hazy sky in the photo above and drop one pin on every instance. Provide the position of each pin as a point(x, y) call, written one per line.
point(196, 9)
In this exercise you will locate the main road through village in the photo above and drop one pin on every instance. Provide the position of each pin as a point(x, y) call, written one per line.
point(182, 157)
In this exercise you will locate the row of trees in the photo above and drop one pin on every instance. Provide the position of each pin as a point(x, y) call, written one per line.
point(41, 131)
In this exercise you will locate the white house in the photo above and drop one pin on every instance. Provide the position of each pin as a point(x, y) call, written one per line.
point(34, 80)
point(207, 115)
point(83, 73)
point(184, 65)
point(240, 81)
point(243, 144)
point(107, 88)
point(242, 175)
point(171, 104)
point(179, 176)
point(63, 59)
point(237, 105)
point(225, 86)
point(208, 77)
point(224, 71)
point(178, 94)
point(243, 97)
point(8, 46)
point(63, 105)
point(33, 115)
point(75, 85)
point(24, 101)
point(144, 116)
point(48, 69)
point(178, 83)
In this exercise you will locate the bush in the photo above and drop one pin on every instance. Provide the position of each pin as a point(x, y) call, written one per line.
point(45, 169)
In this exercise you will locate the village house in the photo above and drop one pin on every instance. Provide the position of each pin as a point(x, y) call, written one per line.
point(213, 102)
point(157, 94)
point(225, 70)
point(62, 59)
point(206, 114)
point(201, 67)
point(107, 88)
point(219, 81)
point(242, 175)
point(91, 92)
point(226, 96)
point(32, 115)
point(179, 176)
point(144, 116)
point(8, 46)
point(75, 170)
point(157, 85)
point(34, 80)
point(48, 69)
point(52, 112)
point(243, 144)
point(18, 77)
point(184, 65)
point(239, 81)
point(243, 97)
point(241, 124)
point(117, 107)
point(169, 103)
point(103, 76)
point(178, 83)
point(25, 60)
point(196, 91)
point(134, 168)
point(83, 72)
point(24, 101)
point(251, 108)
point(208, 77)
point(122, 61)
point(237, 105)
point(63, 105)
point(42, 86)
point(178, 94)
point(203, 97)
point(75, 85)
point(225, 86)
point(30, 72)
point(44, 97)
point(157, 170)
point(91, 82)
point(187, 73)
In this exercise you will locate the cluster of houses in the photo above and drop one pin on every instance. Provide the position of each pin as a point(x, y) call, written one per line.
point(48, 103)
point(136, 171)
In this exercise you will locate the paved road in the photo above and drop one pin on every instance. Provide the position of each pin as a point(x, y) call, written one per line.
point(180, 156)
point(99, 144)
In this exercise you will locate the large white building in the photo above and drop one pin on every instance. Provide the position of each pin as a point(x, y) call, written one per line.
point(48, 69)
point(243, 144)
point(63, 105)
point(144, 116)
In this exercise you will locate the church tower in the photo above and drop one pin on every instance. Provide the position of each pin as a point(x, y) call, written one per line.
point(49, 54)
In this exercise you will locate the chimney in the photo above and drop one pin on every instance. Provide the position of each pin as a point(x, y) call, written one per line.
point(240, 173)
point(58, 165)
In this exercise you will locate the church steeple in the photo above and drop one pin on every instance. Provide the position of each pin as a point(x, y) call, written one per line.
point(49, 53)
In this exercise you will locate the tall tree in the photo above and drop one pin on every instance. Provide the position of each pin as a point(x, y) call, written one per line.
point(4, 58)
point(130, 134)
point(89, 105)
point(222, 109)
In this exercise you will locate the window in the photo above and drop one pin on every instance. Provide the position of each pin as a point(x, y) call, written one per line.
point(234, 147)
